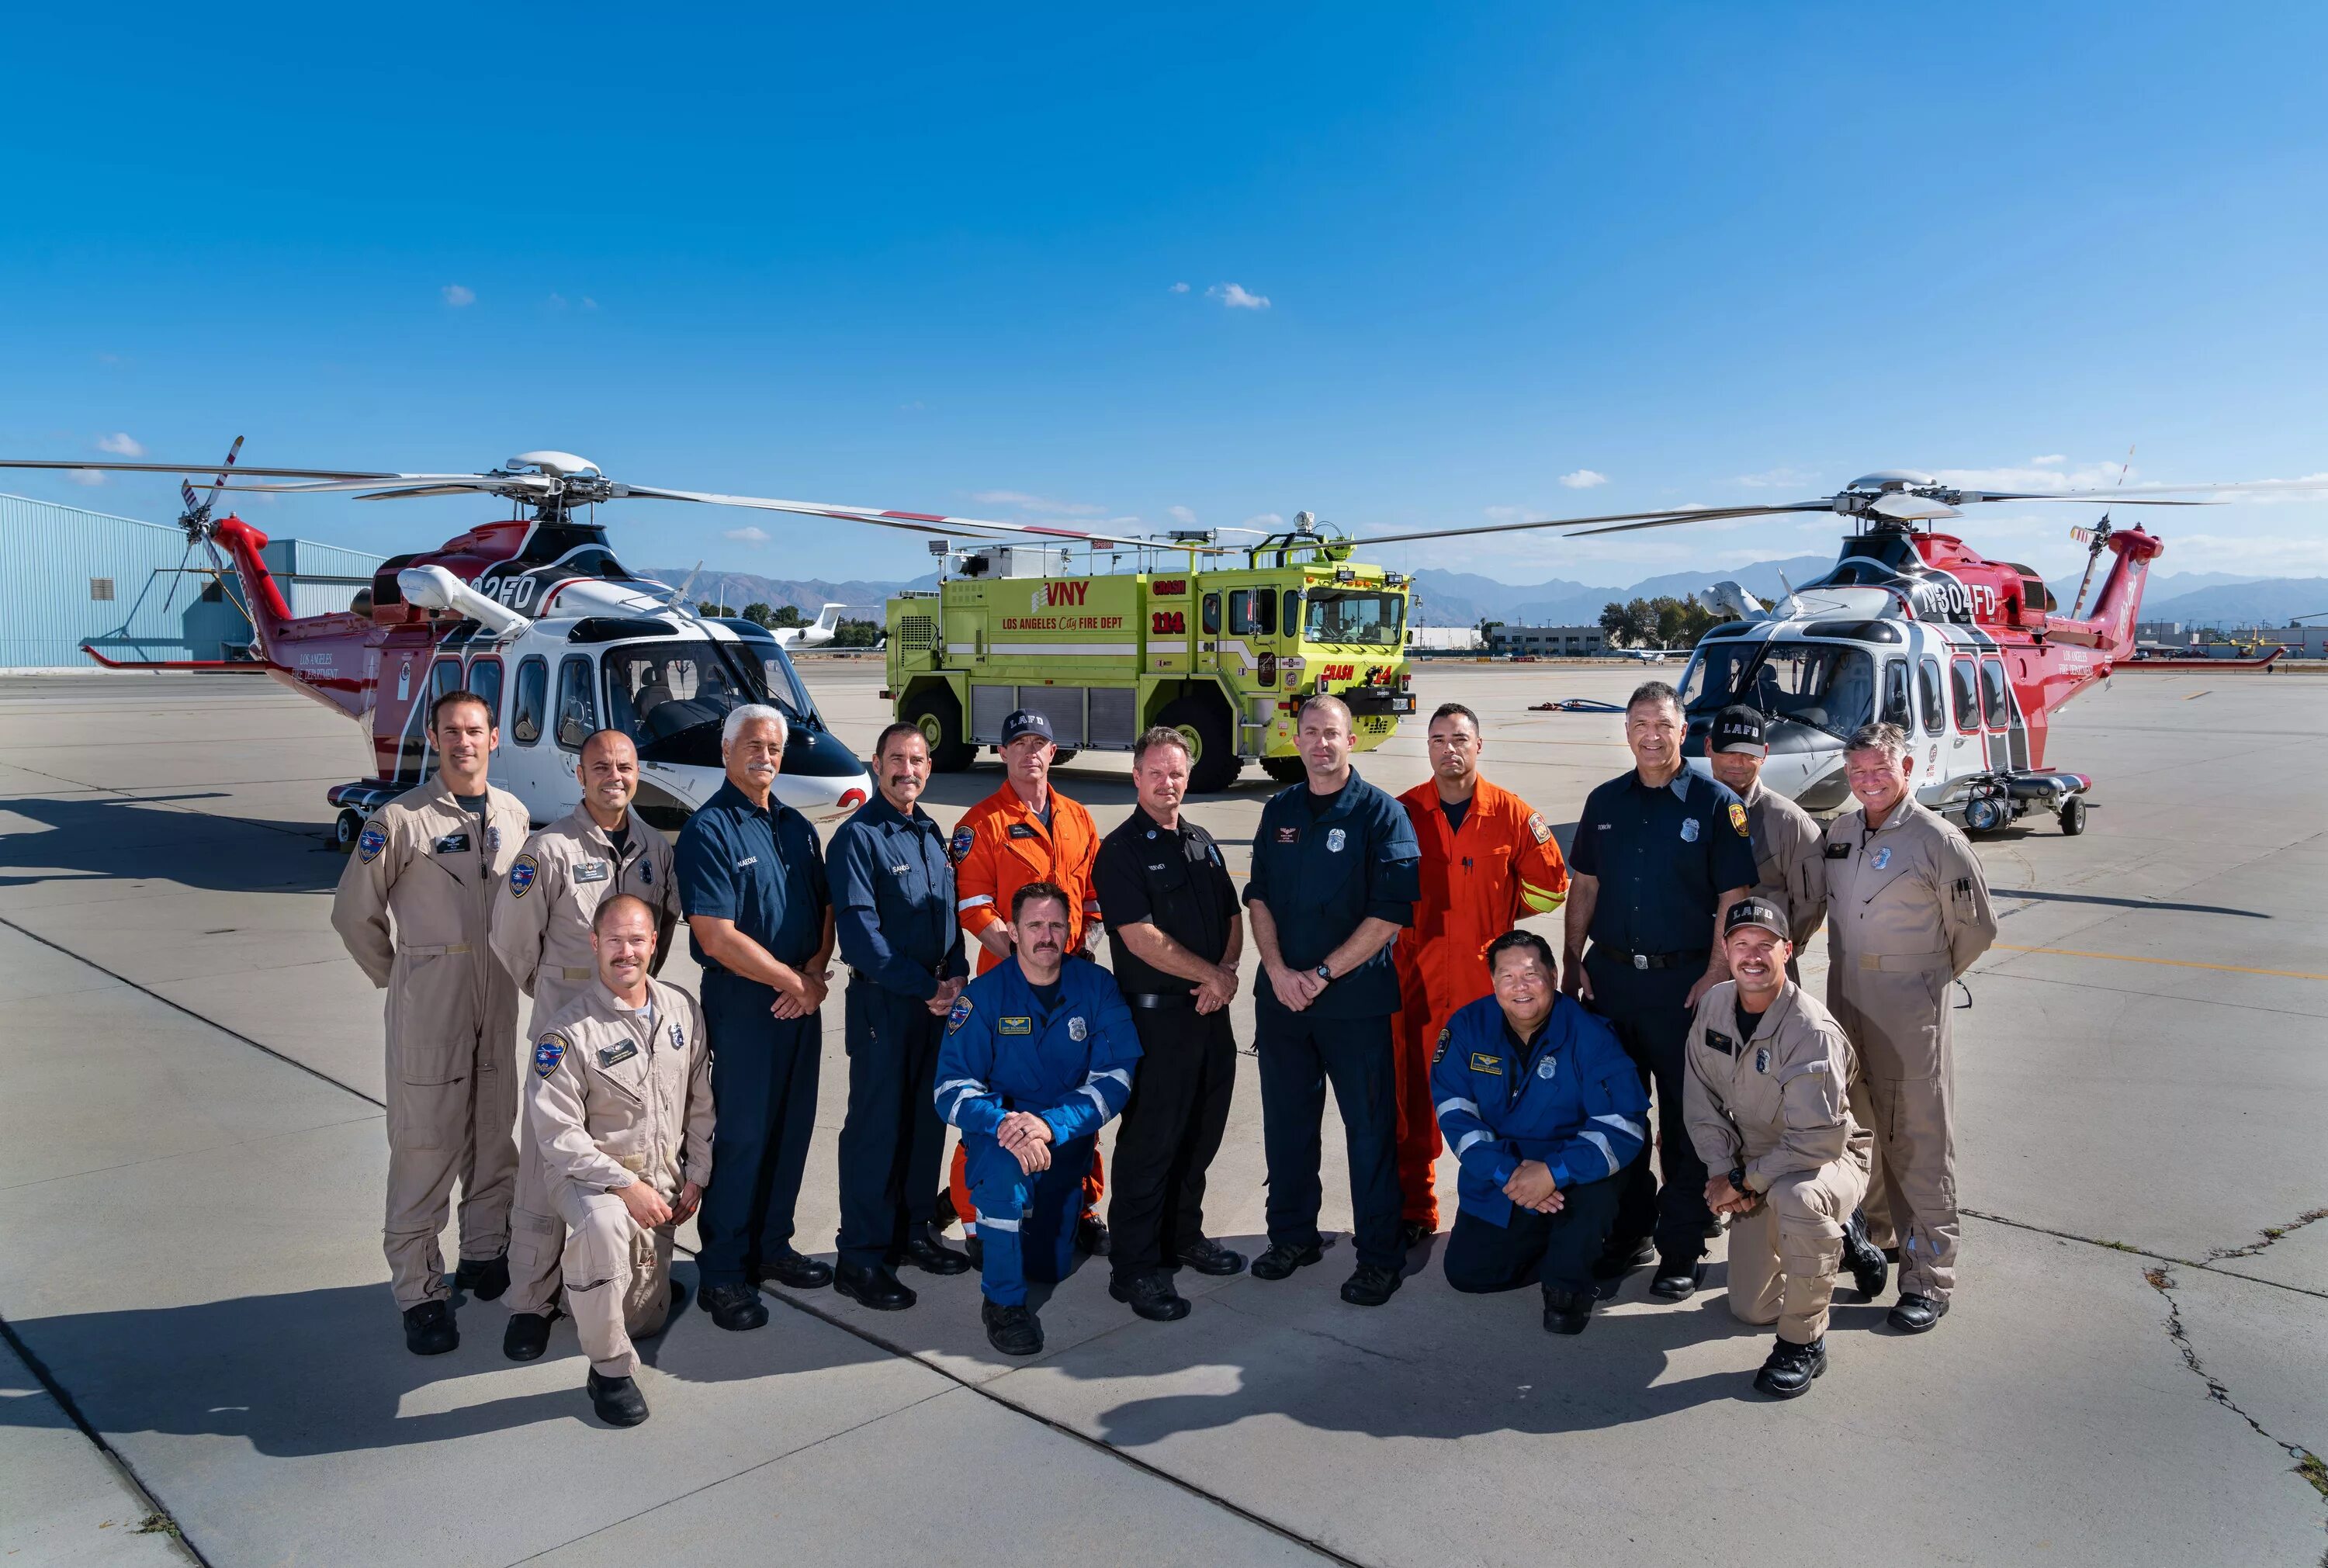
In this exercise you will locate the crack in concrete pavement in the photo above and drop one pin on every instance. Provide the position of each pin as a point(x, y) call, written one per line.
point(2308, 1466)
point(2270, 1234)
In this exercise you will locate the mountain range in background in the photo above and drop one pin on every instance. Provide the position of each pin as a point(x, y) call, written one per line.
point(1446, 598)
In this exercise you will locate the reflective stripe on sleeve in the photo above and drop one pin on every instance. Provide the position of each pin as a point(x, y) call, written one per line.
point(1601, 1141)
point(1622, 1125)
point(969, 904)
point(989, 1221)
point(1444, 1106)
point(1475, 1136)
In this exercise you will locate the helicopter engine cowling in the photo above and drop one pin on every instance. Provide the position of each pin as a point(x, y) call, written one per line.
point(436, 588)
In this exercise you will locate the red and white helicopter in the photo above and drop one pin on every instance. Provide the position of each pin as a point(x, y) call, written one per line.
point(1969, 656)
point(534, 614)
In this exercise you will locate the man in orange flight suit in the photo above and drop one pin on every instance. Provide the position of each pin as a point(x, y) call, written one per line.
point(1026, 831)
point(1489, 862)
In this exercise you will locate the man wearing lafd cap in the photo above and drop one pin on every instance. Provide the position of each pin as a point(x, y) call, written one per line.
point(1489, 862)
point(1788, 867)
point(1026, 831)
point(1768, 1101)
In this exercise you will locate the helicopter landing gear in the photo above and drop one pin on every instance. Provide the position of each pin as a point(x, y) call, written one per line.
point(2073, 816)
point(346, 829)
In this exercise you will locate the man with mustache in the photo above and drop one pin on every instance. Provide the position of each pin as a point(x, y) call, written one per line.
point(1039, 1054)
point(1768, 1102)
point(753, 883)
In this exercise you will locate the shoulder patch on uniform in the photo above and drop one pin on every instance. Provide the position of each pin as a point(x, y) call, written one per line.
point(960, 1013)
point(960, 844)
point(522, 871)
point(547, 1052)
point(1738, 820)
point(1486, 1062)
point(1444, 1036)
point(374, 840)
point(1017, 1025)
point(1538, 828)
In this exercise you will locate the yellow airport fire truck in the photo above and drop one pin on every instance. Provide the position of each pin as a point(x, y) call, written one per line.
point(1224, 654)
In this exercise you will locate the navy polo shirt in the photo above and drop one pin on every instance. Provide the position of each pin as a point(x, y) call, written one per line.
point(1320, 874)
point(760, 869)
point(1664, 856)
point(893, 899)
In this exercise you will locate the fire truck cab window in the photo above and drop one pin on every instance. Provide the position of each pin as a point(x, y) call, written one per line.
point(578, 712)
point(1240, 613)
point(1962, 686)
point(1292, 609)
point(1212, 615)
point(1927, 681)
point(1993, 699)
point(532, 696)
point(1367, 619)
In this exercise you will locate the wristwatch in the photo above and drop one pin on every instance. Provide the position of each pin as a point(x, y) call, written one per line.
point(1325, 972)
point(1738, 1178)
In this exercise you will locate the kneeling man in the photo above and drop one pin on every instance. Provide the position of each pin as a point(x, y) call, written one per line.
point(1037, 1055)
point(1767, 1097)
point(1542, 1109)
point(621, 1112)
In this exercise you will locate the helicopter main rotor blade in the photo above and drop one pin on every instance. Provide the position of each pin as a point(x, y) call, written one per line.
point(198, 468)
point(911, 522)
point(1630, 519)
point(1902, 507)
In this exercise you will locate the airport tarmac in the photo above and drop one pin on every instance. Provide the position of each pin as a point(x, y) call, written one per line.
point(201, 1355)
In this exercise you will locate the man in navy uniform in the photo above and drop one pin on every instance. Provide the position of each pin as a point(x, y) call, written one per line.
point(893, 906)
point(1334, 874)
point(752, 883)
point(1039, 1054)
point(1660, 856)
point(1543, 1111)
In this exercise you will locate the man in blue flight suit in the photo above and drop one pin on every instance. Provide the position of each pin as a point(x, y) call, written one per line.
point(1543, 1111)
point(751, 883)
point(893, 908)
point(1336, 872)
point(1660, 856)
point(1038, 1054)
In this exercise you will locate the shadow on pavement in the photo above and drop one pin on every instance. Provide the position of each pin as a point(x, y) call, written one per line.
point(325, 1371)
point(108, 838)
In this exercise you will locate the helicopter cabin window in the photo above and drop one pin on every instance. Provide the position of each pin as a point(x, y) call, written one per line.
point(1827, 686)
point(1212, 615)
point(485, 681)
point(1994, 700)
point(577, 713)
point(1964, 687)
point(532, 696)
point(443, 677)
point(655, 691)
point(1895, 695)
point(1928, 684)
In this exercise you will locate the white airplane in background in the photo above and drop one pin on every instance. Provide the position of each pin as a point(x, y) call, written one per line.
point(816, 635)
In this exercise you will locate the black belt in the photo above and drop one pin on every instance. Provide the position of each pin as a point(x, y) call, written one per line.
point(1624, 960)
point(1161, 1001)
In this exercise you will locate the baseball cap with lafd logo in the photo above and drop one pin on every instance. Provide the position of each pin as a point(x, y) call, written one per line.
point(1738, 729)
point(1025, 721)
point(1759, 912)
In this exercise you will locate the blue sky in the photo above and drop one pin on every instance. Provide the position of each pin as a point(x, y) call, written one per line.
point(1442, 264)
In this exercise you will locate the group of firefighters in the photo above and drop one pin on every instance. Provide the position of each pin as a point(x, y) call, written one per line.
point(1392, 965)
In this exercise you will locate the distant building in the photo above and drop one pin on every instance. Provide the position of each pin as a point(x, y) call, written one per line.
point(133, 591)
point(1445, 640)
point(1546, 641)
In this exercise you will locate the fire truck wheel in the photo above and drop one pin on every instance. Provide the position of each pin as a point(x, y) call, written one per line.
point(1213, 761)
point(1285, 769)
point(937, 714)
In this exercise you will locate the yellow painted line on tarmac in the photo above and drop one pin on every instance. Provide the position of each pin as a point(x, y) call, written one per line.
point(2171, 963)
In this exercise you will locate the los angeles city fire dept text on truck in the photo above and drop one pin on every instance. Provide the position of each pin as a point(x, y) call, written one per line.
point(1223, 654)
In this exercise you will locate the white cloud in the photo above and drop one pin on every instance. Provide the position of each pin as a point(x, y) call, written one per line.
point(1181, 515)
point(2053, 460)
point(1583, 479)
point(121, 444)
point(1037, 503)
point(748, 534)
point(457, 296)
point(2050, 473)
point(1234, 297)
point(89, 476)
point(1778, 479)
point(1179, 288)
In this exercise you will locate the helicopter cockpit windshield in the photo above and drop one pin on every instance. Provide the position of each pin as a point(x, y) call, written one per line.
point(1829, 686)
point(658, 691)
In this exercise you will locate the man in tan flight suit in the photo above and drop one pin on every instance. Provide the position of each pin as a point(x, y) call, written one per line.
point(1789, 869)
point(1908, 912)
point(415, 907)
point(541, 934)
point(620, 1109)
point(1767, 1098)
